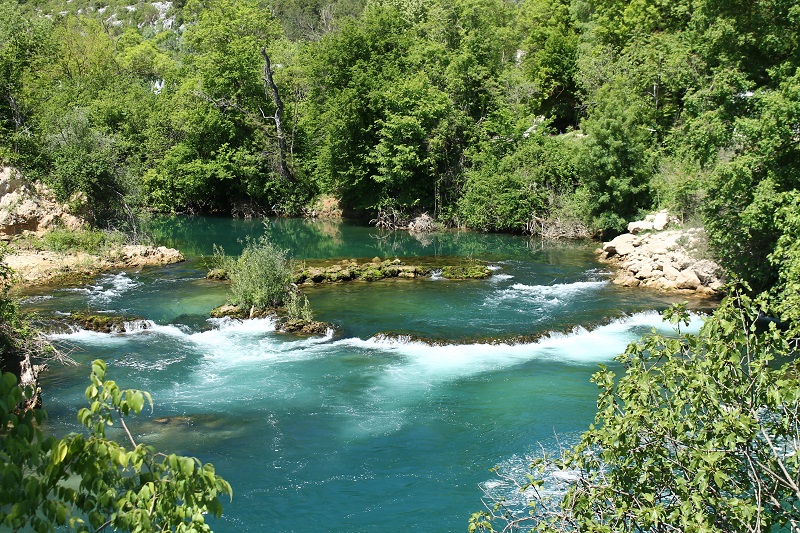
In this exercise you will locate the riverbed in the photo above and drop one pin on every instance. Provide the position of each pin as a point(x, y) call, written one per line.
point(393, 422)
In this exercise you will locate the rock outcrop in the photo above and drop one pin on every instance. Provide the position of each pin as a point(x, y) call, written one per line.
point(137, 255)
point(652, 222)
point(104, 323)
point(283, 324)
point(27, 207)
point(48, 267)
point(377, 269)
point(663, 260)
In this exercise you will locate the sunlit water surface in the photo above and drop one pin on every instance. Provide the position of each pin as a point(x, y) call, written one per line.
point(358, 431)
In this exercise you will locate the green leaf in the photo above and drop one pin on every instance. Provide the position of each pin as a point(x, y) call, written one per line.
point(136, 401)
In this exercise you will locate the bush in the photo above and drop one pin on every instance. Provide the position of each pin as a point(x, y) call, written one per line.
point(88, 482)
point(297, 307)
point(261, 277)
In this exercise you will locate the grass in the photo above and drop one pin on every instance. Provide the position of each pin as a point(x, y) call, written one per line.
point(61, 240)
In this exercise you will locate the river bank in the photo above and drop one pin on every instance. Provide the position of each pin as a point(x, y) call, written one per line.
point(46, 267)
point(667, 260)
point(29, 211)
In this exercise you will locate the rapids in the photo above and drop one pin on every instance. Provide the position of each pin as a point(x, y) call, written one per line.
point(360, 431)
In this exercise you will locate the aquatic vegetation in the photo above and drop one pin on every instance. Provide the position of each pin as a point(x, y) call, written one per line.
point(375, 270)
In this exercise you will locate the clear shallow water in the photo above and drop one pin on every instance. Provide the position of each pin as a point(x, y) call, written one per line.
point(358, 432)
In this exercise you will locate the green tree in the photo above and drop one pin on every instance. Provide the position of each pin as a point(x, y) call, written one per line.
point(699, 435)
point(233, 46)
point(619, 156)
point(90, 482)
point(22, 40)
point(755, 183)
point(524, 188)
point(550, 58)
point(785, 258)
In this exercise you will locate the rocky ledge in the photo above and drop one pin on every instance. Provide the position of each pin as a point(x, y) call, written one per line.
point(107, 323)
point(32, 207)
point(353, 270)
point(327, 271)
point(664, 260)
point(49, 267)
point(283, 324)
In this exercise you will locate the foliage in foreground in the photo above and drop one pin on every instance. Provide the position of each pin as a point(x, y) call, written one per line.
point(20, 341)
point(701, 434)
point(89, 483)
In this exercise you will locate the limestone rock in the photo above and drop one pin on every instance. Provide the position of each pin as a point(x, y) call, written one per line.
point(639, 226)
point(687, 279)
point(27, 207)
point(621, 245)
point(661, 220)
point(626, 281)
point(662, 260)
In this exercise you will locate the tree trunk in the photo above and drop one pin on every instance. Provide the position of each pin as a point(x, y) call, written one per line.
point(272, 90)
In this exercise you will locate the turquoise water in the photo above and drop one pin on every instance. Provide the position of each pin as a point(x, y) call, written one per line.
point(358, 431)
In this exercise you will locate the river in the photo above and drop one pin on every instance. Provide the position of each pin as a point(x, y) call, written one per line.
point(358, 431)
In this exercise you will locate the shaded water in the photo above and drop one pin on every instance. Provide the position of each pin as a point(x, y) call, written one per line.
point(358, 432)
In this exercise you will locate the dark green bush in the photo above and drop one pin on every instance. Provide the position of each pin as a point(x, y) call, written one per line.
point(261, 277)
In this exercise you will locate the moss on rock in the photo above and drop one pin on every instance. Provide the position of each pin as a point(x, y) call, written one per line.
point(106, 323)
point(376, 270)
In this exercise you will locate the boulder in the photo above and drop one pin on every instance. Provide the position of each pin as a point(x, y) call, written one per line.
point(626, 281)
point(645, 272)
point(687, 279)
point(621, 245)
point(671, 273)
point(639, 226)
point(661, 220)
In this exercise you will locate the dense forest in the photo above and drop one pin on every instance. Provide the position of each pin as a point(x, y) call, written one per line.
point(541, 116)
point(563, 117)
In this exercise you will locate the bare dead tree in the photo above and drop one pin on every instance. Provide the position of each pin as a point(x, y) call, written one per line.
point(271, 90)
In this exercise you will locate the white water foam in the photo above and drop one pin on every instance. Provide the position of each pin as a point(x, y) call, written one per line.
point(37, 299)
point(108, 288)
point(248, 359)
point(555, 294)
point(418, 368)
point(420, 362)
point(513, 472)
